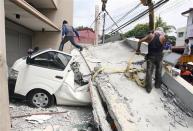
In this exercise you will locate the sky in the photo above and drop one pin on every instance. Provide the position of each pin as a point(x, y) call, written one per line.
point(84, 12)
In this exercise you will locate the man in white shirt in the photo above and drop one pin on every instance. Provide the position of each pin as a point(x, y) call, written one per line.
point(187, 47)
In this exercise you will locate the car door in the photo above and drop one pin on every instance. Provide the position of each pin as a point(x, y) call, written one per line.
point(45, 71)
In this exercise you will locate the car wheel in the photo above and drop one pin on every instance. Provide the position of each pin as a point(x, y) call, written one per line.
point(39, 98)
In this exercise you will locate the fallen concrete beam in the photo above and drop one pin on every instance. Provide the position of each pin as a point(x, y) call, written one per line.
point(98, 109)
point(180, 87)
point(117, 108)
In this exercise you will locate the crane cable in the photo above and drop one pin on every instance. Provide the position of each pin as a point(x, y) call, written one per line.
point(95, 19)
point(115, 23)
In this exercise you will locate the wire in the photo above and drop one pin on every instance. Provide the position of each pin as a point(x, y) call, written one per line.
point(95, 19)
point(112, 19)
point(173, 6)
point(126, 14)
point(139, 16)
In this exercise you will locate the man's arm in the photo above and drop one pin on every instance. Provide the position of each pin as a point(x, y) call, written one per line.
point(162, 39)
point(145, 39)
point(63, 31)
point(76, 32)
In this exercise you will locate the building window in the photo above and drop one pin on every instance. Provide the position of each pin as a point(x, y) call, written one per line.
point(180, 34)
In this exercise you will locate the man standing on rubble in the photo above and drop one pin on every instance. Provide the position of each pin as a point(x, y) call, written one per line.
point(68, 35)
point(154, 57)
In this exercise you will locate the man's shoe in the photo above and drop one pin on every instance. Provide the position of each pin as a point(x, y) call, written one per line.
point(148, 90)
point(81, 49)
point(84, 83)
point(157, 86)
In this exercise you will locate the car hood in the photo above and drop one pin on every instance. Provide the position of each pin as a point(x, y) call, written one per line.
point(18, 62)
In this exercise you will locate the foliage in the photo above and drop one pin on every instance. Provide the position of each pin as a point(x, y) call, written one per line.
point(171, 39)
point(79, 28)
point(107, 36)
point(160, 23)
point(139, 30)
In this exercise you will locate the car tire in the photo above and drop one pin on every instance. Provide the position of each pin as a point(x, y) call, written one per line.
point(39, 98)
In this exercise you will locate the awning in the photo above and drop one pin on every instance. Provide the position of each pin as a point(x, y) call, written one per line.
point(19, 11)
point(44, 4)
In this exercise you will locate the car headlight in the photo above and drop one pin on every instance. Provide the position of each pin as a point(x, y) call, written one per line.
point(13, 74)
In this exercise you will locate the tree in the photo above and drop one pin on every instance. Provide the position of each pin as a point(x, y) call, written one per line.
point(171, 39)
point(160, 23)
point(139, 30)
point(79, 28)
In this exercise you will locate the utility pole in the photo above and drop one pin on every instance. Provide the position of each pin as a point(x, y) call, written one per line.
point(104, 15)
point(104, 2)
point(96, 24)
point(4, 104)
point(149, 3)
point(151, 15)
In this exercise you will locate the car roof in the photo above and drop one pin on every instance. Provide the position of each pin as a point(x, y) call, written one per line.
point(47, 50)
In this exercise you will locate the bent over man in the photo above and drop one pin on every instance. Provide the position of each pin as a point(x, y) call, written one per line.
point(154, 57)
point(68, 35)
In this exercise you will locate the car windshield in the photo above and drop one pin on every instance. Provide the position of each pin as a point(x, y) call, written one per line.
point(34, 53)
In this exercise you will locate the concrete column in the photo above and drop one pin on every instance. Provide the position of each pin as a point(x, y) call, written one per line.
point(96, 24)
point(4, 101)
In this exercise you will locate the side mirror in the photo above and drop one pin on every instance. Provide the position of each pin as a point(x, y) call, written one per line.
point(28, 60)
point(29, 52)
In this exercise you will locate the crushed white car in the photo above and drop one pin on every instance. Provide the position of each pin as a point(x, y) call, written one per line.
point(46, 77)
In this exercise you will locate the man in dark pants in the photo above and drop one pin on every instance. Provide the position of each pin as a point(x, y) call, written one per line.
point(154, 57)
point(68, 35)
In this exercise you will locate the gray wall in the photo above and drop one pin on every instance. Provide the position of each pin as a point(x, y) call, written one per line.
point(18, 41)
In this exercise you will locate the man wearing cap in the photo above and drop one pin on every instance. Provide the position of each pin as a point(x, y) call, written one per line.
point(68, 35)
point(155, 40)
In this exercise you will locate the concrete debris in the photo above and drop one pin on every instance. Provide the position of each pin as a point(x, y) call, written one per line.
point(38, 119)
point(60, 122)
point(175, 108)
point(52, 128)
point(75, 129)
point(147, 111)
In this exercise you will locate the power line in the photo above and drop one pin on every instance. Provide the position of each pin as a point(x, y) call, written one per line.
point(139, 16)
point(172, 6)
point(95, 19)
point(115, 23)
point(120, 19)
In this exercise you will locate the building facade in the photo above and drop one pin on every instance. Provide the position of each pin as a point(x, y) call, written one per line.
point(181, 36)
point(34, 23)
point(189, 31)
point(189, 15)
point(87, 36)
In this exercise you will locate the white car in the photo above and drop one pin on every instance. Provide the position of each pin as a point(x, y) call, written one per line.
point(45, 78)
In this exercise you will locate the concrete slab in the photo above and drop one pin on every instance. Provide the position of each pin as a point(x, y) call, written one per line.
point(98, 110)
point(171, 58)
point(148, 112)
point(181, 88)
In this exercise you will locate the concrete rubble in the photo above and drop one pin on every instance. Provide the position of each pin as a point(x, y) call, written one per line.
point(72, 118)
point(38, 119)
point(160, 110)
point(148, 112)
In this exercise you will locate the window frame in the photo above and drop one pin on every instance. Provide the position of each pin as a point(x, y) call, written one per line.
point(48, 67)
